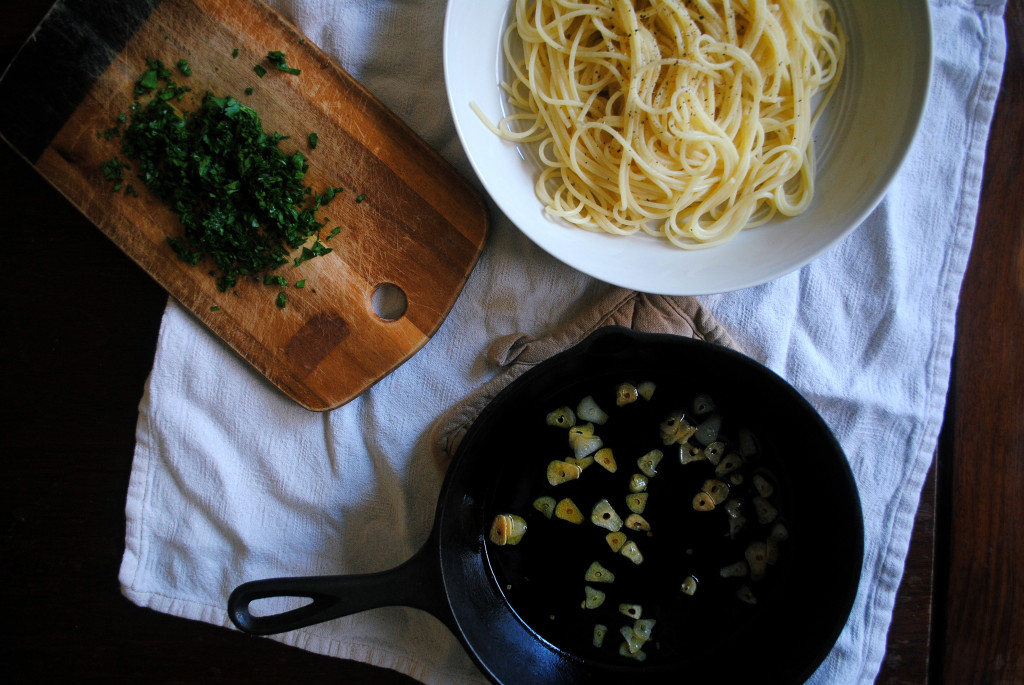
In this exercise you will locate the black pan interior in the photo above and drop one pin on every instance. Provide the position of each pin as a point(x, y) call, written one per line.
point(518, 608)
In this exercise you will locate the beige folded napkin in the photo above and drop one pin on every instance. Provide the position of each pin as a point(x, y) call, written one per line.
point(518, 352)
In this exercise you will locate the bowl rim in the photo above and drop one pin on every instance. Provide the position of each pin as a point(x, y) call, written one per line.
point(676, 272)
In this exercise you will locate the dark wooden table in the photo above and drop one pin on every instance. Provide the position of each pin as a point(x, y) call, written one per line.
point(78, 342)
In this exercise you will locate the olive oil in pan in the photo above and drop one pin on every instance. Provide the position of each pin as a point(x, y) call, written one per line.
point(543, 577)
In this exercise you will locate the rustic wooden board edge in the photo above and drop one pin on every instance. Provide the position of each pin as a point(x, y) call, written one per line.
point(291, 384)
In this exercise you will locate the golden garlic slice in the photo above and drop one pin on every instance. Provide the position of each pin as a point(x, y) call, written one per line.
point(625, 394)
point(616, 540)
point(606, 458)
point(507, 529)
point(567, 510)
point(718, 490)
point(562, 472)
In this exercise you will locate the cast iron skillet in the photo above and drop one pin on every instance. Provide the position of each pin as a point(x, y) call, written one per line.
point(517, 609)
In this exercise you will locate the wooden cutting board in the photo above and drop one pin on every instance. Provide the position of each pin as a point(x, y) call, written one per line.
point(414, 238)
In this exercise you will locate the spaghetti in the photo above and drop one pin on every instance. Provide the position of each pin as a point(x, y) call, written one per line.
point(687, 119)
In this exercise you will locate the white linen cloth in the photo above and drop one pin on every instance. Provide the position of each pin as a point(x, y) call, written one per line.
point(231, 481)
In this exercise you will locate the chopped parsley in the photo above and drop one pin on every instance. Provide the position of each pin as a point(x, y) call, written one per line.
point(275, 279)
point(242, 201)
point(360, 197)
point(313, 140)
point(280, 62)
point(318, 250)
point(113, 171)
point(260, 71)
point(184, 67)
point(281, 300)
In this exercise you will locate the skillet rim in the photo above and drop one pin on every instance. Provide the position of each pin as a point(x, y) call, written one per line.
point(501, 644)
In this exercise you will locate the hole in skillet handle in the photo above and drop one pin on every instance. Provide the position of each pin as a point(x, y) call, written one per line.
point(244, 595)
point(417, 583)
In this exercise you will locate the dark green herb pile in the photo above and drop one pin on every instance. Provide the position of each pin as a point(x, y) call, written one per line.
point(242, 200)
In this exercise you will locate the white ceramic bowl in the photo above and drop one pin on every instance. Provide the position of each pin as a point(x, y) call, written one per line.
point(861, 141)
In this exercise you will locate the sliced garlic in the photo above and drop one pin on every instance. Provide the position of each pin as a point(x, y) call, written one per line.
point(632, 610)
point(604, 515)
point(507, 529)
point(599, 574)
point(584, 445)
point(702, 501)
point(714, 452)
point(689, 586)
point(562, 472)
point(730, 463)
point(637, 502)
point(646, 389)
point(637, 522)
point(637, 482)
point(594, 597)
point(634, 643)
point(583, 463)
point(616, 540)
point(703, 404)
point(643, 628)
point(588, 410)
point(736, 525)
point(763, 487)
point(639, 655)
point(757, 558)
point(606, 458)
point(766, 513)
point(779, 533)
point(562, 417)
point(690, 453)
point(718, 490)
point(545, 505)
point(567, 510)
point(745, 594)
point(707, 431)
point(625, 394)
point(632, 552)
point(648, 463)
point(600, 630)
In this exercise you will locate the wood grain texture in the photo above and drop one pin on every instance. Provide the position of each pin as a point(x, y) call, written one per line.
point(421, 227)
point(980, 630)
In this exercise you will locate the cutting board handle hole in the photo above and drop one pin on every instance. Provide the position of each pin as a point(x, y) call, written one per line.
point(389, 301)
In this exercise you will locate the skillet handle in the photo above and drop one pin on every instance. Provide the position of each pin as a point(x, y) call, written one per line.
point(416, 583)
